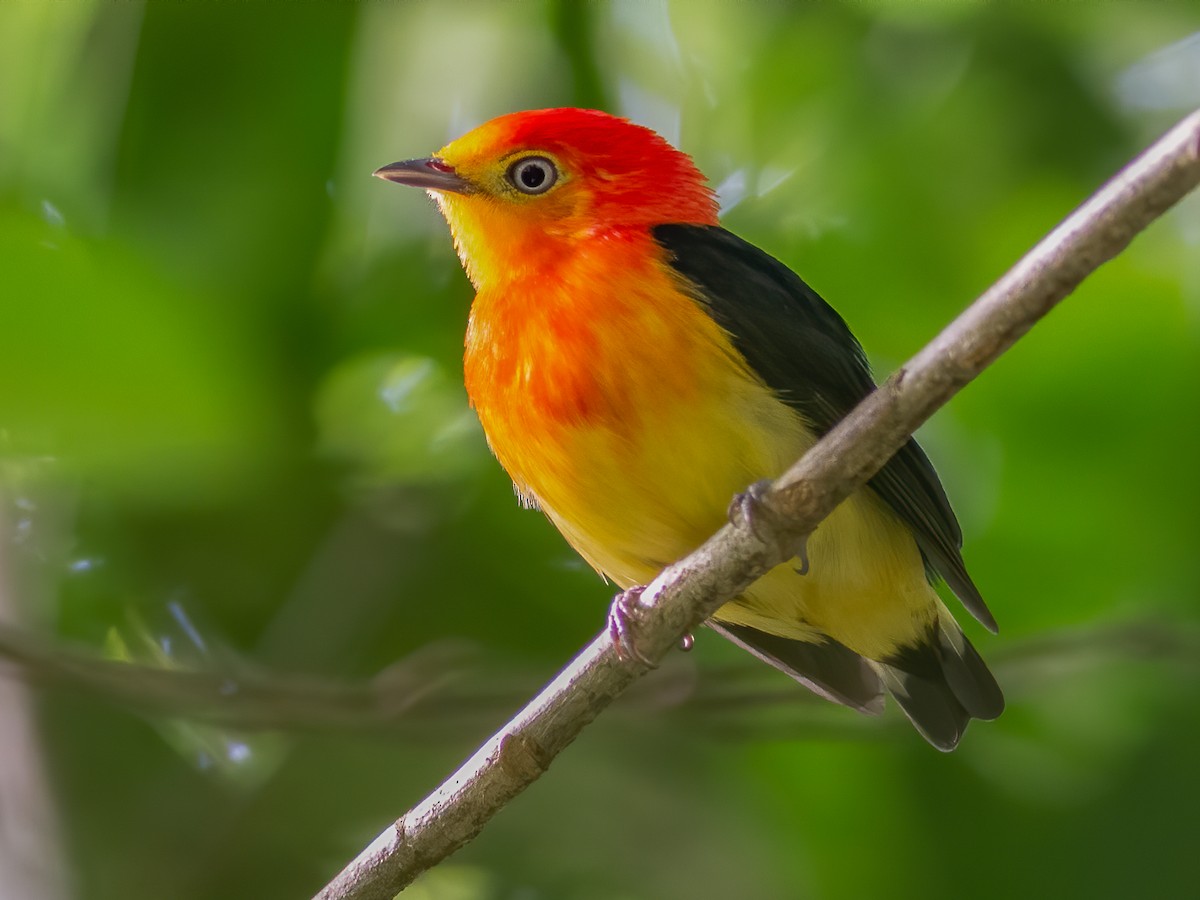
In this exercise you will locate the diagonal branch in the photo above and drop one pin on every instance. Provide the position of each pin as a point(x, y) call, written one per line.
point(686, 593)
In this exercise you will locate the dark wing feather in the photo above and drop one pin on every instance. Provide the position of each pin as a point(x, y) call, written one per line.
point(830, 670)
point(800, 347)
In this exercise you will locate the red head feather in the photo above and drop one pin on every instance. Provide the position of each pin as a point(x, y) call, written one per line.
point(635, 176)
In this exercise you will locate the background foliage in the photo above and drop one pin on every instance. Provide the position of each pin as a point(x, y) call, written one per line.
point(232, 433)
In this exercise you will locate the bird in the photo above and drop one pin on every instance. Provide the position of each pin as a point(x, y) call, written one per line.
point(635, 365)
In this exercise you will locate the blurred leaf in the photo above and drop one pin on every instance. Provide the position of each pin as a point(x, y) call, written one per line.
point(398, 420)
point(235, 758)
point(125, 376)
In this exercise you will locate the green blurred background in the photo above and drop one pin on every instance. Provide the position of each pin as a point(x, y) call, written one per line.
point(233, 436)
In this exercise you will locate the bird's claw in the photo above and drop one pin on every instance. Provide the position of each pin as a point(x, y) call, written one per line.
point(750, 508)
point(623, 621)
point(802, 555)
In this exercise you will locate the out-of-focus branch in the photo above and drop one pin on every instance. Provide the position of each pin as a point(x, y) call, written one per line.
point(244, 698)
point(686, 593)
point(440, 689)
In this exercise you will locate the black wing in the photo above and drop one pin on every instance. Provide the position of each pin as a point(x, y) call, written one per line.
point(801, 348)
point(830, 670)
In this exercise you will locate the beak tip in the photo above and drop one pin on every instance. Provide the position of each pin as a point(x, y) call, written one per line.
point(430, 173)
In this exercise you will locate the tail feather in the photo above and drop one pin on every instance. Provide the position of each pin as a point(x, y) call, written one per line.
point(941, 684)
point(932, 708)
point(967, 674)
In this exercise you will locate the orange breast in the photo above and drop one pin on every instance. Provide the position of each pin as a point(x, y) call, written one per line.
point(602, 342)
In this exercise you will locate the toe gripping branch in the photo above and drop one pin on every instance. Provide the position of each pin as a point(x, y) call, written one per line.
point(623, 621)
point(751, 509)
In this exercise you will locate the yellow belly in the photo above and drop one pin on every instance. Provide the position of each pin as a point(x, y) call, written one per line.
point(865, 586)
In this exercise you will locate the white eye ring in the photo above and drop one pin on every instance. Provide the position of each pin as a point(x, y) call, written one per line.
point(533, 175)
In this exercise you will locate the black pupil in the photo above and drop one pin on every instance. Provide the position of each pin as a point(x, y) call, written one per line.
point(532, 175)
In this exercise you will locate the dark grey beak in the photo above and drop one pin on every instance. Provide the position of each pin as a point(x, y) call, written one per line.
point(431, 174)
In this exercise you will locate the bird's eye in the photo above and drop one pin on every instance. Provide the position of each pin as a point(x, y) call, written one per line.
point(533, 175)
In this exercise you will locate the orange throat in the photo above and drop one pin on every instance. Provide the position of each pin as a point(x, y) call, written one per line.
point(583, 345)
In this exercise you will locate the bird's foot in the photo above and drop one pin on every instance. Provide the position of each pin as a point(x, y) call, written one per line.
point(624, 619)
point(750, 508)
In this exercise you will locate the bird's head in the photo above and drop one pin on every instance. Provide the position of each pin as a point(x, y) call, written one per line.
point(522, 190)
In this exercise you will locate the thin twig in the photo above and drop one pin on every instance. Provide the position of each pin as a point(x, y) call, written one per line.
point(686, 593)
